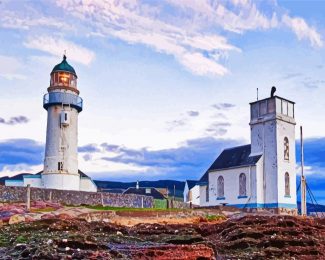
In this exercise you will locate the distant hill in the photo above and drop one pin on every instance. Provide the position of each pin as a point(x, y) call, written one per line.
point(312, 208)
point(169, 184)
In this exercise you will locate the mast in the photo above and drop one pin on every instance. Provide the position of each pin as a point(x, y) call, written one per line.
point(303, 180)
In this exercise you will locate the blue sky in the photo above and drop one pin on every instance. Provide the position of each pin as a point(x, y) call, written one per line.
point(166, 84)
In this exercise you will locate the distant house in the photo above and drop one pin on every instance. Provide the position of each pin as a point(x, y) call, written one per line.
point(153, 192)
point(192, 192)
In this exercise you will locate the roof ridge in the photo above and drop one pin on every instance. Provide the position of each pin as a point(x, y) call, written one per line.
point(231, 148)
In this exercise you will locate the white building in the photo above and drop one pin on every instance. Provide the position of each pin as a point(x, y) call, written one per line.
point(261, 174)
point(192, 192)
point(63, 106)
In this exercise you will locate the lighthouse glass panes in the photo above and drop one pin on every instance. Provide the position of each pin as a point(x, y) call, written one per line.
point(63, 79)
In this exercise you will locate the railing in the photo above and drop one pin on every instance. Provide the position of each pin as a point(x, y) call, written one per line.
point(60, 98)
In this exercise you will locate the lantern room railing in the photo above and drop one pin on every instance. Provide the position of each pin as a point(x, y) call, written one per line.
point(60, 98)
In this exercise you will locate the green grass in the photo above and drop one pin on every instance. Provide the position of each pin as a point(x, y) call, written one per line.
point(99, 207)
point(215, 217)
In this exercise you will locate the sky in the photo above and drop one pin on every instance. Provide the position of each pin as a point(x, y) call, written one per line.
point(166, 84)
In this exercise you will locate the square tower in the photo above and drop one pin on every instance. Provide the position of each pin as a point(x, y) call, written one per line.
point(272, 125)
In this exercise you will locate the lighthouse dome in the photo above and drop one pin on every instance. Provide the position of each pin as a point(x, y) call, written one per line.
point(64, 66)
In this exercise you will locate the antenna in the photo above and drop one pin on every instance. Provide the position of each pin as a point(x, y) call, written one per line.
point(303, 180)
point(257, 93)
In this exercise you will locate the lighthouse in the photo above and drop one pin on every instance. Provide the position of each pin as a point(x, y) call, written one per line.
point(63, 105)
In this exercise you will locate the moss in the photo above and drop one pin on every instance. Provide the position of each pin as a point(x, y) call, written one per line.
point(21, 239)
point(215, 217)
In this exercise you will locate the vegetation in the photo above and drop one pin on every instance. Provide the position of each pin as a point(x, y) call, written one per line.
point(215, 217)
point(100, 207)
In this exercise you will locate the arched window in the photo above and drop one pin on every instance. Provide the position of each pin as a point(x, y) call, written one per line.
point(287, 184)
point(221, 187)
point(242, 184)
point(286, 148)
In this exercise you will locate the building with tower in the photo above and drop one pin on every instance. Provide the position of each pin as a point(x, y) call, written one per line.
point(260, 175)
point(63, 105)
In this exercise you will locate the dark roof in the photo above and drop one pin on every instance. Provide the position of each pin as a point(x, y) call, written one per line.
point(270, 98)
point(191, 183)
point(142, 191)
point(82, 174)
point(235, 157)
point(232, 157)
point(64, 66)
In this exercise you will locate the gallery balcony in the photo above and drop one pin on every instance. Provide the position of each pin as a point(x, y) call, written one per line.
point(61, 98)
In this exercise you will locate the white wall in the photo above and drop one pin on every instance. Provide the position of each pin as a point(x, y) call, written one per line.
point(61, 181)
point(87, 184)
point(195, 195)
point(203, 199)
point(14, 183)
point(286, 130)
point(231, 186)
point(35, 182)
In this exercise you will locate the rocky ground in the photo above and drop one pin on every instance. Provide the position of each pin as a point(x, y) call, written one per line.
point(86, 234)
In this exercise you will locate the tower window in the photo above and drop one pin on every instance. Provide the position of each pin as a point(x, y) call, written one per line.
point(220, 187)
point(60, 166)
point(287, 184)
point(242, 184)
point(286, 148)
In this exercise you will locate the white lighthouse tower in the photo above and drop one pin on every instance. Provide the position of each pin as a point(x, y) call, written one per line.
point(63, 106)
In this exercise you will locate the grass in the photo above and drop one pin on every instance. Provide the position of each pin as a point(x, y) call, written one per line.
point(99, 207)
point(215, 217)
point(48, 209)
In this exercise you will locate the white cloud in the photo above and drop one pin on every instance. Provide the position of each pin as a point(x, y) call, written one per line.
point(303, 30)
point(13, 20)
point(9, 68)
point(192, 32)
point(56, 46)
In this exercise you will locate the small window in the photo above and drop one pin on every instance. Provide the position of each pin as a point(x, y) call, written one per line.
point(284, 107)
point(65, 116)
point(60, 166)
point(286, 148)
point(148, 191)
point(220, 187)
point(287, 184)
point(242, 184)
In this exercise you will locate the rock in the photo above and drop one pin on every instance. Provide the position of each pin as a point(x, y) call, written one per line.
point(119, 233)
point(15, 219)
point(49, 242)
point(64, 240)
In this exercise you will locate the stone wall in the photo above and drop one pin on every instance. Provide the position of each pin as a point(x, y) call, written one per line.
point(19, 194)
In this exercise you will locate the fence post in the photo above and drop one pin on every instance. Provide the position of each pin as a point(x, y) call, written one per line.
point(28, 197)
point(102, 198)
point(141, 202)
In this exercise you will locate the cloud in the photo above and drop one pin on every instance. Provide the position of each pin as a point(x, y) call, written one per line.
point(90, 148)
point(14, 120)
point(20, 151)
point(312, 84)
point(193, 113)
point(28, 20)
point(223, 106)
point(303, 30)
point(218, 128)
point(291, 76)
point(190, 159)
point(56, 46)
point(10, 67)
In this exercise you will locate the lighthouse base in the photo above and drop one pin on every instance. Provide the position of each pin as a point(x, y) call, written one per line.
point(61, 181)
